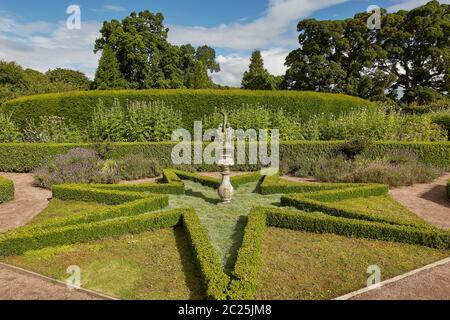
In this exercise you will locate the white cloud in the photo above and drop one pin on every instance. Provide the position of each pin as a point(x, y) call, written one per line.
point(111, 7)
point(41, 45)
point(234, 65)
point(410, 4)
point(267, 31)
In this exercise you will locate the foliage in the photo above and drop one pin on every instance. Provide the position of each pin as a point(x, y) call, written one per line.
point(25, 157)
point(77, 107)
point(214, 279)
point(396, 168)
point(257, 78)
point(138, 166)
point(146, 58)
point(77, 166)
point(9, 132)
point(74, 78)
point(244, 118)
point(52, 129)
point(346, 56)
point(137, 122)
point(6, 190)
point(108, 75)
point(373, 125)
point(15, 81)
point(442, 119)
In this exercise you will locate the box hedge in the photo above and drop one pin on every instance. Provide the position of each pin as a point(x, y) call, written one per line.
point(24, 157)
point(15, 244)
point(448, 189)
point(243, 284)
point(194, 104)
point(215, 281)
point(6, 190)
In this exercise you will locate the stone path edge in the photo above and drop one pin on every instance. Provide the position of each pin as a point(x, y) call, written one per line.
point(57, 282)
point(356, 293)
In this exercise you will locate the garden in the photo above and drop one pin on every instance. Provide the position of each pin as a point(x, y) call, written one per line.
point(355, 197)
point(309, 232)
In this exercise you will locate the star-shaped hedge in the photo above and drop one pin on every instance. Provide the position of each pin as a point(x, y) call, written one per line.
point(138, 208)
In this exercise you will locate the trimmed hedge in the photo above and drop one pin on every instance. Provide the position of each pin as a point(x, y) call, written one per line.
point(448, 189)
point(215, 280)
point(24, 157)
point(244, 278)
point(194, 104)
point(6, 190)
point(81, 192)
point(134, 208)
point(244, 281)
point(150, 187)
point(242, 179)
point(203, 180)
point(274, 184)
point(16, 244)
point(322, 223)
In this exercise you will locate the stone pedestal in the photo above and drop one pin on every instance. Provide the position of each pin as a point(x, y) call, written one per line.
point(226, 189)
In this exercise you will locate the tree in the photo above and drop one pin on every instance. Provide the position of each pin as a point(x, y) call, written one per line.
point(108, 75)
point(207, 55)
point(410, 54)
point(146, 58)
point(12, 80)
point(197, 78)
point(257, 77)
point(416, 48)
point(76, 79)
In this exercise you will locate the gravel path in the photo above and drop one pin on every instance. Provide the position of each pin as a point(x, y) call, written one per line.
point(429, 201)
point(427, 284)
point(18, 284)
point(28, 202)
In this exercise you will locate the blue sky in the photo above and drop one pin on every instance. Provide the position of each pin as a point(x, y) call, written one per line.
point(34, 33)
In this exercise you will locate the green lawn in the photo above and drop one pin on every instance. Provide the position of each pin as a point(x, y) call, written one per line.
point(225, 223)
point(58, 209)
point(325, 266)
point(152, 265)
point(384, 206)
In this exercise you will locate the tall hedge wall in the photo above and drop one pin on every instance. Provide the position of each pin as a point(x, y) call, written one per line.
point(24, 157)
point(77, 106)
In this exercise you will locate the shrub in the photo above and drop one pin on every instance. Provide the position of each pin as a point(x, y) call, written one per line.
point(210, 265)
point(25, 157)
point(6, 190)
point(321, 223)
point(268, 118)
point(397, 168)
point(138, 166)
point(136, 122)
point(71, 234)
point(442, 119)
point(77, 166)
point(375, 125)
point(77, 107)
point(52, 129)
point(9, 132)
point(244, 281)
